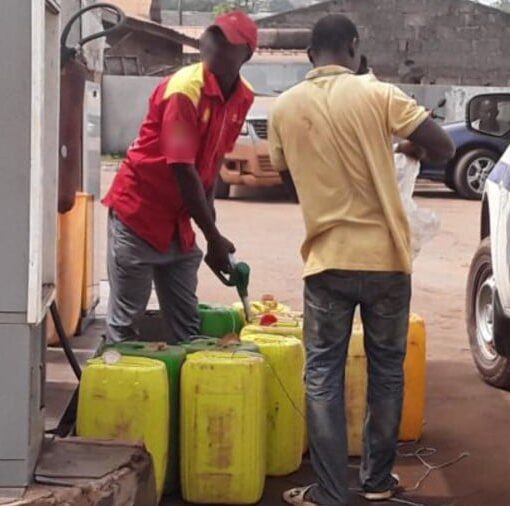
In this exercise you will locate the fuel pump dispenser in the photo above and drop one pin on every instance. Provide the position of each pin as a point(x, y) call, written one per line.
point(37, 80)
point(29, 109)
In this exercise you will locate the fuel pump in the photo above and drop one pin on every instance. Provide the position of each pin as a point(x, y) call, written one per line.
point(33, 160)
point(73, 75)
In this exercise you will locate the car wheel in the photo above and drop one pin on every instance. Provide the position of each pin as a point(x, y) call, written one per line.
point(222, 189)
point(450, 184)
point(493, 368)
point(471, 172)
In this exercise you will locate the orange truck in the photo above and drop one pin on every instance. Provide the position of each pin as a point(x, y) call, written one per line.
point(249, 164)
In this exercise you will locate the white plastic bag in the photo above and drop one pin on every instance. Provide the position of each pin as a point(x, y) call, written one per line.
point(424, 223)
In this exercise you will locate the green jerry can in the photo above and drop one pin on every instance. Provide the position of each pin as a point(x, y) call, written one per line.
point(218, 321)
point(173, 357)
point(214, 344)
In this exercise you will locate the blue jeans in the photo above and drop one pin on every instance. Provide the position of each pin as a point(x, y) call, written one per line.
point(331, 299)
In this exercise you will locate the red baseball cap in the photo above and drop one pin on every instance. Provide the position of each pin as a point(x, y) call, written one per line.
point(238, 28)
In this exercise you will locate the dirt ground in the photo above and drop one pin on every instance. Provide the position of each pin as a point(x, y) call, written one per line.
point(463, 414)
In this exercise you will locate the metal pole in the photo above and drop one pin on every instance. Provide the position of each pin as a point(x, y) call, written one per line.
point(179, 10)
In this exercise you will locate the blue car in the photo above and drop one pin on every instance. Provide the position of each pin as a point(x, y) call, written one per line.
point(477, 154)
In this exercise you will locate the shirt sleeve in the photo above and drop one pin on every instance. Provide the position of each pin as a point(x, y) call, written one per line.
point(180, 134)
point(404, 114)
point(275, 145)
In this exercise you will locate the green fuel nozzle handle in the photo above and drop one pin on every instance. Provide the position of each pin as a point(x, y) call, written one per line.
point(239, 276)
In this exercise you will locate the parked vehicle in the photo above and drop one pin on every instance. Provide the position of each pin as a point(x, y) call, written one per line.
point(249, 163)
point(488, 290)
point(477, 150)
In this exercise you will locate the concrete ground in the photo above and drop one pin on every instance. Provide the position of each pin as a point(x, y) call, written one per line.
point(463, 414)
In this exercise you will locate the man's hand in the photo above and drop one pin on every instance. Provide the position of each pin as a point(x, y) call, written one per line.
point(411, 150)
point(218, 250)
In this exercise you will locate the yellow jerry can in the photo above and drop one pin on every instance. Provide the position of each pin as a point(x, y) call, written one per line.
point(356, 382)
point(127, 400)
point(415, 368)
point(260, 307)
point(286, 327)
point(413, 412)
point(70, 267)
point(285, 401)
point(223, 427)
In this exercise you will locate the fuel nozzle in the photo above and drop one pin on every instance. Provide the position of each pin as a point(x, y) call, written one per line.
point(239, 277)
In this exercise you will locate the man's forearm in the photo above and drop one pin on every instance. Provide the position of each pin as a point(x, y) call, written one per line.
point(211, 195)
point(288, 182)
point(195, 199)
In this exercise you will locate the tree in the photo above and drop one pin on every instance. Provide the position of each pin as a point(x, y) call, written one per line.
point(231, 5)
point(504, 5)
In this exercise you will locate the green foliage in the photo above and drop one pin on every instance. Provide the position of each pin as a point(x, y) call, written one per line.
point(222, 6)
point(504, 5)
point(232, 5)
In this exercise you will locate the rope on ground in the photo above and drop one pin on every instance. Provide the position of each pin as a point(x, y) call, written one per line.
point(420, 454)
point(423, 452)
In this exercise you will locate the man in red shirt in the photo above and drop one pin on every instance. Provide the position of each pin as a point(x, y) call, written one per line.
point(168, 178)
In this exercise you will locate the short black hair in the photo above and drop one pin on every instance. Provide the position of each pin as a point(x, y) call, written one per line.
point(333, 33)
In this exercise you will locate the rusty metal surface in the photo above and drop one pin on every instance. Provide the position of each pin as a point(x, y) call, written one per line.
point(75, 461)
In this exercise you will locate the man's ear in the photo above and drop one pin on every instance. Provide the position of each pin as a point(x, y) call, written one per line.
point(249, 54)
point(309, 52)
point(353, 47)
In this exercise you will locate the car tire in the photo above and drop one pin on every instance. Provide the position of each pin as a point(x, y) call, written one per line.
point(471, 172)
point(222, 189)
point(449, 183)
point(493, 368)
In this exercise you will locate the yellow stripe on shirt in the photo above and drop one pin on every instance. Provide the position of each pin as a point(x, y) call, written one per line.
point(188, 81)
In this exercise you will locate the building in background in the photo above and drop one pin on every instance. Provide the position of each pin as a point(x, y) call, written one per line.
point(134, 7)
point(450, 41)
point(144, 47)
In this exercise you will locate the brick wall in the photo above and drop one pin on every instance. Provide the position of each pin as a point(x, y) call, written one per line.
point(454, 41)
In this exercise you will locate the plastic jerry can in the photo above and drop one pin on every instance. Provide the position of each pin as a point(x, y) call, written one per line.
point(217, 321)
point(262, 307)
point(70, 267)
point(223, 428)
point(356, 382)
point(285, 401)
point(413, 412)
point(415, 367)
point(214, 344)
point(172, 357)
point(285, 328)
point(127, 400)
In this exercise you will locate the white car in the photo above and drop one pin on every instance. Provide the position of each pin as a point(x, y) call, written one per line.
point(488, 291)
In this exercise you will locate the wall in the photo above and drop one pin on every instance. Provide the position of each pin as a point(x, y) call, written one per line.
point(156, 56)
point(455, 41)
point(134, 7)
point(120, 122)
point(124, 105)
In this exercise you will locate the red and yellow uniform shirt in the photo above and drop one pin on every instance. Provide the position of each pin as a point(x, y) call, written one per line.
point(188, 122)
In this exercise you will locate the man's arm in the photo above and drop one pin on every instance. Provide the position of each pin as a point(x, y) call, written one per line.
point(180, 141)
point(211, 196)
point(278, 157)
point(438, 146)
point(289, 185)
point(196, 202)
point(408, 120)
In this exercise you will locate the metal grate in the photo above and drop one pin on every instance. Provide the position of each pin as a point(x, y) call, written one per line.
point(260, 127)
point(265, 163)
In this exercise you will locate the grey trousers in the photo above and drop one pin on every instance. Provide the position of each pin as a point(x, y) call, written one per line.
point(132, 267)
point(330, 302)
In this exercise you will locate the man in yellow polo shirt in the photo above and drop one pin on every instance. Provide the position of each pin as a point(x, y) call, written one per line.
point(331, 138)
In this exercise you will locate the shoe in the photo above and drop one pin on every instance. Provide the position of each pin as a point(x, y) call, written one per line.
point(296, 496)
point(384, 495)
